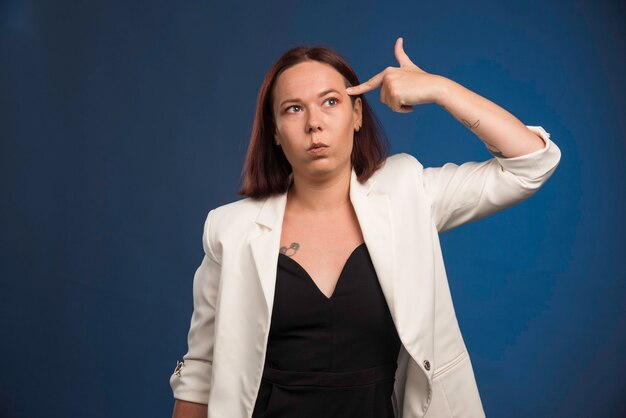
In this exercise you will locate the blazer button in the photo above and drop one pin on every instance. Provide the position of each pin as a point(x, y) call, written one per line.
point(427, 364)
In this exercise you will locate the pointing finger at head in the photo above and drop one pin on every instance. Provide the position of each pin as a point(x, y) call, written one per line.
point(370, 84)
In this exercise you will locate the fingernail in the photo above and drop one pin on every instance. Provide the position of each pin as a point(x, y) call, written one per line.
point(349, 89)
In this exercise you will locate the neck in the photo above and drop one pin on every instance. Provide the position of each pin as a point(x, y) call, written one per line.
point(320, 196)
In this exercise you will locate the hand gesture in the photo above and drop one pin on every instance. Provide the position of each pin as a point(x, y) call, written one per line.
point(402, 88)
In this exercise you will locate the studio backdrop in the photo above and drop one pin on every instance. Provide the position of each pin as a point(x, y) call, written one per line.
point(122, 123)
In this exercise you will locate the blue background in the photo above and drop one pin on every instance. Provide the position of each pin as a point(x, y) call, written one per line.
point(122, 123)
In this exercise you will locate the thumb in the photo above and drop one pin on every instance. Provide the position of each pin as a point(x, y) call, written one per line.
point(401, 56)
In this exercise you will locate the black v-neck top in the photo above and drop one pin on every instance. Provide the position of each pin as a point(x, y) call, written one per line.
point(329, 357)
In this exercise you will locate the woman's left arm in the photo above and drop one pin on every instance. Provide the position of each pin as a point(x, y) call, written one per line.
point(524, 156)
point(402, 88)
point(502, 133)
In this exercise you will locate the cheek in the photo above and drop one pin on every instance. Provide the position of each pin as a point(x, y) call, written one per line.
point(349, 126)
point(288, 136)
point(289, 125)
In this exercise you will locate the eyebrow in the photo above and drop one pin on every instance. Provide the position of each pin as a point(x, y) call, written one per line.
point(324, 93)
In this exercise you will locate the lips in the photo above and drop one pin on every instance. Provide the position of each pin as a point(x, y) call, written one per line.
point(313, 147)
point(317, 149)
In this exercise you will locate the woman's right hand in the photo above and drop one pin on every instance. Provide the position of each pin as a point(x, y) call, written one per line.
point(184, 409)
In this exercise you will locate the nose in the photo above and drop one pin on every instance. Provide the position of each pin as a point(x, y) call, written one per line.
point(313, 122)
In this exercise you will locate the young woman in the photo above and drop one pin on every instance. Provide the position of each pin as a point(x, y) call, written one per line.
point(323, 293)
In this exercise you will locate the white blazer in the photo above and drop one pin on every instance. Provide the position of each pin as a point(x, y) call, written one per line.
point(401, 210)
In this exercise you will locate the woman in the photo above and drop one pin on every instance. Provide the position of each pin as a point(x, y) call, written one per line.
point(323, 293)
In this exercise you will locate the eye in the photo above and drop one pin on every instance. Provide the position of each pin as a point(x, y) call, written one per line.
point(333, 98)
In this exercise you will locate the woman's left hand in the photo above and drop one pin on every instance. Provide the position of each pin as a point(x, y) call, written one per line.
point(404, 87)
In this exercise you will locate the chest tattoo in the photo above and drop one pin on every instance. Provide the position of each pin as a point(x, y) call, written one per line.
point(290, 250)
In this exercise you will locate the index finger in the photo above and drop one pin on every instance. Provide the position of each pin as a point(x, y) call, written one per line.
point(369, 85)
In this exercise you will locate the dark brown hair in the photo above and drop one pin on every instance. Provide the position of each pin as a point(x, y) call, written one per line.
point(266, 169)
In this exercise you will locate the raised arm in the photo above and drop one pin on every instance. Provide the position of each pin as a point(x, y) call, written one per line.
point(472, 190)
point(404, 87)
point(525, 157)
point(501, 132)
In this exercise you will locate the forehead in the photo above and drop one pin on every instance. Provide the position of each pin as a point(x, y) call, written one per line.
point(306, 78)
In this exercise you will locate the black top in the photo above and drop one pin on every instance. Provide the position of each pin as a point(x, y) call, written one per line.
point(329, 357)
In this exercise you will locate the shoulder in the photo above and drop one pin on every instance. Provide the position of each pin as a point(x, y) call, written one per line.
point(399, 168)
point(399, 162)
point(239, 212)
point(228, 220)
point(238, 208)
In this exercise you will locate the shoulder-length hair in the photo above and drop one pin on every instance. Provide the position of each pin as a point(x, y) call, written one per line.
point(266, 170)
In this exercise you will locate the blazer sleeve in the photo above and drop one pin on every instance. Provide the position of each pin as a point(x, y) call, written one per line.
point(191, 378)
point(470, 191)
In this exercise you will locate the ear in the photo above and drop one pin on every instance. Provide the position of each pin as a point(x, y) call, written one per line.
point(358, 114)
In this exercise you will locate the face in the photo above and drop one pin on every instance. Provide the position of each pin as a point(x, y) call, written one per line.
point(312, 109)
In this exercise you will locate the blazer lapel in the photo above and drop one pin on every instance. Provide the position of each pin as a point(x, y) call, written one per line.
point(374, 215)
point(266, 245)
